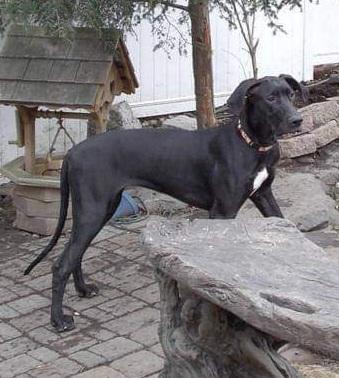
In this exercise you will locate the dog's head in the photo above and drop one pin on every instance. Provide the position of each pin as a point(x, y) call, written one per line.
point(266, 107)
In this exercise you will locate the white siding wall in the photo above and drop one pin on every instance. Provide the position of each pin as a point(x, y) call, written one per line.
point(166, 84)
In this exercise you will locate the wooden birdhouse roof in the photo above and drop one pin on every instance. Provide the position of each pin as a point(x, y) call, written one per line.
point(37, 69)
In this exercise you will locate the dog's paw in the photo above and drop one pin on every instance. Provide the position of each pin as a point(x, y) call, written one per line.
point(64, 324)
point(88, 291)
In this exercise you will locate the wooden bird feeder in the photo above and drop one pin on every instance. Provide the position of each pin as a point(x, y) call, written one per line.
point(44, 76)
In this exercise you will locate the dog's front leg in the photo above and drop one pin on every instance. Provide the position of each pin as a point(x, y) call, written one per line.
point(223, 209)
point(266, 203)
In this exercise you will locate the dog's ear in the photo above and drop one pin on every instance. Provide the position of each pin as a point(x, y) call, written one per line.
point(296, 86)
point(237, 100)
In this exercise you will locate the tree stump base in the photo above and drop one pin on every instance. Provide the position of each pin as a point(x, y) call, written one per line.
point(202, 340)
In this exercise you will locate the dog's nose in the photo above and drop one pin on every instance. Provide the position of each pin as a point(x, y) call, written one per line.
point(296, 120)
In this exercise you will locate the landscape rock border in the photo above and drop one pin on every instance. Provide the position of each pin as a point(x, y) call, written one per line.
point(320, 127)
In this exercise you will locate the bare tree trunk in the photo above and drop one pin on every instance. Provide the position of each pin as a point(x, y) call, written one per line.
point(253, 54)
point(202, 62)
point(246, 23)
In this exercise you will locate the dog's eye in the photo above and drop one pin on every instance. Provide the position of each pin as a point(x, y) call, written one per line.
point(291, 95)
point(271, 98)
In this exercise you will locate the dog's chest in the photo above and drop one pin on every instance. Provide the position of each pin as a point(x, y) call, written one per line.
point(259, 179)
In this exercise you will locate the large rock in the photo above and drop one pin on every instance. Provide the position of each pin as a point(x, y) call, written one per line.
point(182, 122)
point(297, 146)
point(326, 134)
point(303, 200)
point(320, 125)
point(322, 112)
point(264, 272)
point(307, 123)
point(121, 116)
point(318, 371)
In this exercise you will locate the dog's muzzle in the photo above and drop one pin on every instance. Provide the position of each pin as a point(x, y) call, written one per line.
point(295, 121)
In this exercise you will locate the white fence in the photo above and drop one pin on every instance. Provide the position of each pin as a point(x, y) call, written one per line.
point(166, 85)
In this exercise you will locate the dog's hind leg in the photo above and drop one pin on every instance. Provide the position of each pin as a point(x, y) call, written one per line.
point(86, 226)
point(83, 289)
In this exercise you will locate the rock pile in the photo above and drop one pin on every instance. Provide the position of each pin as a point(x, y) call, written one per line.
point(319, 128)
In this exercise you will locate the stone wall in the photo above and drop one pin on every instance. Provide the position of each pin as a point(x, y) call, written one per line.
point(319, 128)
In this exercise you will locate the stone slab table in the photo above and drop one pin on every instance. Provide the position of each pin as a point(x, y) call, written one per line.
point(230, 288)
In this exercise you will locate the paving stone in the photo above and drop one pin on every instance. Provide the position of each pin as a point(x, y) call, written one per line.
point(125, 239)
point(6, 295)
point(6, 282)
point(106, 233)
point(87, 358)
point(20, 345)
point(149, 294)
point(139, 365)
point(44, 354)
point(41, 283)
point(94, 264)
point(133, 322)
point(17, 365)
point(62, 367)
point(110, 293)
point(144, 260)
point(30, 303)
point(96, 251)
point(28, 322)
point(7, 312)
point(13, 268)
point(157, 349)
point(122, 268)
point(73, 343)
point(109, 245)
point(80, 304)
point(115, 348)
point(101, 372)
point(8, 332)
point(43, 335)
point(21, 290)
point(121, 306)
point(98, 315)
point(102, 278)
point(99, 333)
point(131, 252)
point(132, 282)
point(146, 335)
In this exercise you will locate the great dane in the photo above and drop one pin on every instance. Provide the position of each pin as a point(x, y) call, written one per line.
point(215, 169)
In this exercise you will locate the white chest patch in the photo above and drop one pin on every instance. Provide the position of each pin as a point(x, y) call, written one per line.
point(259, 179)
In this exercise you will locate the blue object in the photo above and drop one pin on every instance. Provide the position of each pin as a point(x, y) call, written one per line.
point(127, 206)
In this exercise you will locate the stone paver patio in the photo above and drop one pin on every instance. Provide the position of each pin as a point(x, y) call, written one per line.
point(116, 331)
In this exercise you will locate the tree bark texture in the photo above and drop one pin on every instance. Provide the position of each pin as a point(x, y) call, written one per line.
point(202, 62)
point(202, 340)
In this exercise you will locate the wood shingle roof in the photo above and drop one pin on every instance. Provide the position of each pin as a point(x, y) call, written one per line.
point(39, 69)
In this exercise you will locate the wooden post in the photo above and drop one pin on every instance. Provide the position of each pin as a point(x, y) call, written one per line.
point(97, 121)
point(27, 119)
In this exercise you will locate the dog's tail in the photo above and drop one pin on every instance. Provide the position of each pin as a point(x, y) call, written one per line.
point(64, 191)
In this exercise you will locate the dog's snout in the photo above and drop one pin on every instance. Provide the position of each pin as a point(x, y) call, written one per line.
point(296, 120)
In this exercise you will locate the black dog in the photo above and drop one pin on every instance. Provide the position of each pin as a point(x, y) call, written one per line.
point(215, 169)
